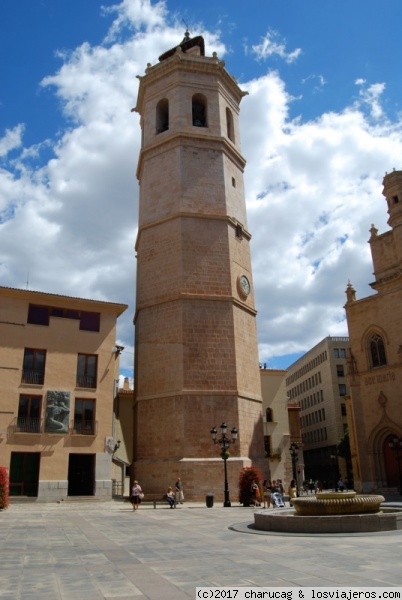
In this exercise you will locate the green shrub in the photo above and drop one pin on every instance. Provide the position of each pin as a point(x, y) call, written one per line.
point(246, 478)
point(4, 488)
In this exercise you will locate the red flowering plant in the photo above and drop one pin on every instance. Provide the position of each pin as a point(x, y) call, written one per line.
point(4, 488)
point(246, 478)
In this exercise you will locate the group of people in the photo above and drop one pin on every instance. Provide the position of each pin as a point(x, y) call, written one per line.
point(173, 497)
point(311, 486)
point(267, 493)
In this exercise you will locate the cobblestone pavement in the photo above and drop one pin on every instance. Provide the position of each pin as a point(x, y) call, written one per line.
point(94, 550)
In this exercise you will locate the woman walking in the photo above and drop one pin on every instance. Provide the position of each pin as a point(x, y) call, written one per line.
point(136, 495)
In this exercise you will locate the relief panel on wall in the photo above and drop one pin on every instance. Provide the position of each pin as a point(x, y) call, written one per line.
point(57, 412)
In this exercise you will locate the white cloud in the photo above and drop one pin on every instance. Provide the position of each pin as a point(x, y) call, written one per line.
point(271, 45)
point(11, 140)
point(313, 188)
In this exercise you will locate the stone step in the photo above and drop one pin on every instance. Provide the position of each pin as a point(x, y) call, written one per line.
point(83, 499)
point(23, 499)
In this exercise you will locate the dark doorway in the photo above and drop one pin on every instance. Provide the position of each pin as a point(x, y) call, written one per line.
point(81, 475)
point(391, 464)
point(24, 473)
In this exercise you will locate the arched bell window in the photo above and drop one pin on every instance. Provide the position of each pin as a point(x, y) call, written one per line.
point(162, 115)
point(377, 354)
point(229, 125)
point(199, 107)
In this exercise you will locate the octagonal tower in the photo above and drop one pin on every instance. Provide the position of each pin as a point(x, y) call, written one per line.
point(196, 356)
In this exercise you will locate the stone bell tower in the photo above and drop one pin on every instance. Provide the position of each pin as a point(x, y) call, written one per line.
point(196, 358)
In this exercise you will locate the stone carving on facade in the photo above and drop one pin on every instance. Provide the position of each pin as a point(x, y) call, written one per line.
point(109, 445)
point(57, 412)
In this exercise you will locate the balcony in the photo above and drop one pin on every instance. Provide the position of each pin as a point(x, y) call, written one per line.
point(86, 381)
point(84, 427)
point(26, 425)
point(33, 377)
point(275, 454)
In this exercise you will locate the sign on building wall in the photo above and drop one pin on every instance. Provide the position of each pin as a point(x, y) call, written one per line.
point(57, 412)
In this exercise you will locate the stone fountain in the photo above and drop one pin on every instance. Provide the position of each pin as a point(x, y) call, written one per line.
point(330, 512)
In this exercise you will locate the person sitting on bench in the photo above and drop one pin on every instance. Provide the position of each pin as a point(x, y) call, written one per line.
point(171, 498)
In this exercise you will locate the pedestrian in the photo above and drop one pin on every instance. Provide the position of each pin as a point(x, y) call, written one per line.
point(179, 491)
point(292, 491)
point(341, 485)
point(275, 487)
point(311, 486)
point(136, 495)
point(255, 494)
point(267, 492)
point(170, 497)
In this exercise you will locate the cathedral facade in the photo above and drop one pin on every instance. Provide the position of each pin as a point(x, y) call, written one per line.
point(375, 358)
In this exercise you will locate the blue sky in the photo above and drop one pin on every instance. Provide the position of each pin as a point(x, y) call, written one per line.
point(321, 125)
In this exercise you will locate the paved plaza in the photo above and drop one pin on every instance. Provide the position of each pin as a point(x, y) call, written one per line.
point(96, 550)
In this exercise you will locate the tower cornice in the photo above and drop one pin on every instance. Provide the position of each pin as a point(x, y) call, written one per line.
point(192, 215)
point(201, 139)
point(183, 296)
point(187, 63)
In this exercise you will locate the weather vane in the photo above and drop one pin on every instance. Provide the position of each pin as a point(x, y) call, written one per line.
point(187, 34)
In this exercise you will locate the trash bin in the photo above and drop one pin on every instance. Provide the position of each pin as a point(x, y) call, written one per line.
point(209, 500)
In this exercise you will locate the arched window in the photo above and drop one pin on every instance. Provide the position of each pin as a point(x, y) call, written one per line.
point(229, 125)
point(268, 414)
point(162, 115)
point(377, 351)
point(199, 105)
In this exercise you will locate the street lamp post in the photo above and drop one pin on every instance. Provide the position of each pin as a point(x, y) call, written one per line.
point(294, 453)
point(224, 443)
point(396, 445)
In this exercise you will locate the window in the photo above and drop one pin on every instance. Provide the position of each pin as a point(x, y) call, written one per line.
point(229, 125)
point(343, 410)
point(33, 369)
point(268, 414)
point(342, 389)
point(340, 371)
point(86, 370)
point(377, 351)
point(343, 352)
point(29, 408)
point(89, 321)
point(162, 115)
point(336, 352)
point(199, 106)
point(39, 315)
point(239, 231)
point(84, 416)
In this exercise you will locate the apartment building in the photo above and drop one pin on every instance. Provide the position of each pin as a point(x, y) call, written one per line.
point(317, 383)
point(59, 367)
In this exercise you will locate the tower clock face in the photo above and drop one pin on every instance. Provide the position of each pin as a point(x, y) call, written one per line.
point(243, 286)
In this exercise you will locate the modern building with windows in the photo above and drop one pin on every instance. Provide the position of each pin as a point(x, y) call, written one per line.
point(375, 360)
point(317, 382)
point(58, 377)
